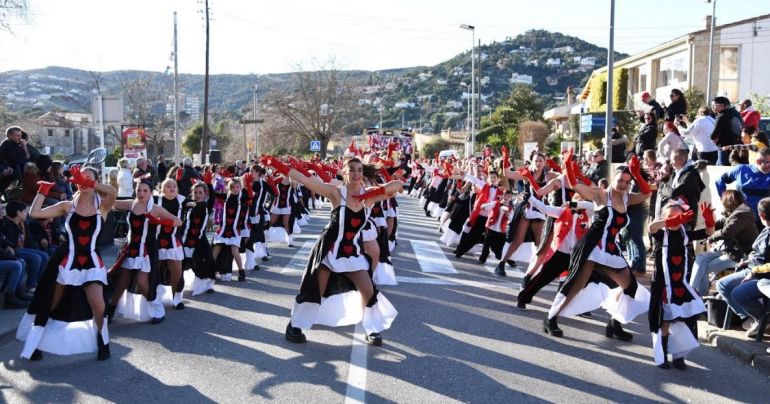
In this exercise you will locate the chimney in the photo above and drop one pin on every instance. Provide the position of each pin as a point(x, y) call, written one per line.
point(708, 23)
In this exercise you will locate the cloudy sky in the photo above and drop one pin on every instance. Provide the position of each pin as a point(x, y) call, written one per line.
point(270, 37)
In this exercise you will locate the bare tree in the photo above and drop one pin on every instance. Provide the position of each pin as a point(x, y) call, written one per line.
point(12, 9)
point(140, 95)
point(316, 106)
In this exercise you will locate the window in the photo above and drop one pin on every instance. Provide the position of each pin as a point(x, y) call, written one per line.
point(66, 132)
point(643, 73)
point(50, 132)
point(728, 72)
point(673, 70)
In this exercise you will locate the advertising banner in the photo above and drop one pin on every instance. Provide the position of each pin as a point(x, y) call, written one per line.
point(134, 141)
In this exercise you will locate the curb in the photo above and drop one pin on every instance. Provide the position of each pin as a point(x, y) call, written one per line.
point(746, 351)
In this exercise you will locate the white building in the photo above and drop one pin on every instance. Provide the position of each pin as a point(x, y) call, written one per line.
point(517, 78)
point(553, 62)
point(364, 101)
point(589, 61)
point(390, 86)
point(484, 80)
point(403, 105)
point(564, 49)
point(442, 82)
point(454, 104)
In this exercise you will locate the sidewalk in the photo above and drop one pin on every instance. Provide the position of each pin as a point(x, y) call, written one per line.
point(735, 344)
point(9, 318)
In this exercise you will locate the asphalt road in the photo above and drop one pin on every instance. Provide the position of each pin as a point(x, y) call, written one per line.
point(458, 338)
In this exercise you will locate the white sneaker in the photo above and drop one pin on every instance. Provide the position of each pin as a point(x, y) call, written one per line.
point(752, 332)
point(749, 324)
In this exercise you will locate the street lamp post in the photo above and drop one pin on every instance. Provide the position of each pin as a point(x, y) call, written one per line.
point(472, 29)
point(610, 89)
point(468, 118)
point(711, 48)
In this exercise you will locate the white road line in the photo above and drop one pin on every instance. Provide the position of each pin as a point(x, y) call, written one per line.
point(356, 390)
point(299, 260)
point(430, 257)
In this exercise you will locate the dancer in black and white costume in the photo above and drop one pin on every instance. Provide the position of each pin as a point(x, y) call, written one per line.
point(66, 315)
point(197, 250)
point(337, 288)
point(170, 253)
point(598, 255)
point(227, 239)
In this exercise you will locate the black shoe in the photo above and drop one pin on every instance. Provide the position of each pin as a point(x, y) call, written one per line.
point(210, 291)
point(500, 269)
point(679, 364)
point(110, 313)
point(13, 302)
point(512, 263)
point(374, 339)
point(665, 364)
point(587, 314)
point(104, 349)
point(521, 305)
point(257, 268)
point(614, 329)
point(525, 281)
point(551, 327)
point(427, 214)
point(157, 320)
point(37, 355)
point(179, 306)
point(294, 334)
point(241, 275)
point(265, 258)
point(482, 260)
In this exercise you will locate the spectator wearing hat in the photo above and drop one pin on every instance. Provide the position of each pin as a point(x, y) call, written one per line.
point(654, 106)
point(727, 128)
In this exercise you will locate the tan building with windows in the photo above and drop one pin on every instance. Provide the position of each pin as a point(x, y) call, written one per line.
point(741, 58)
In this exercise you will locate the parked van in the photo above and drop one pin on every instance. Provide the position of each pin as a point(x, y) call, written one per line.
point(447, 153)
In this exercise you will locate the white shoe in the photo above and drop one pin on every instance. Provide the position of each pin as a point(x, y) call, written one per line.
point(227, 277)
point(177, 299)
point(749, 324)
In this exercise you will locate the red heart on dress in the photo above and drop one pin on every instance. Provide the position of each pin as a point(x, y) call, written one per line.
point(194, 232)
point(355, 222)
point(347, 249)
point(679, 291)
point(196, 220)
point(230, 221)
point(620, 219)
point(137, 238)
point(133, 252)
point(228, 234)
point(84, 224)
point(349, 235)
point(614, 231)
point(611, 246)
point(376, 210)
point(676, 260)
point(230, 211)
point(136, 223)
point(82, 259)
point(163, 242)
point(84, 240)
point(64, 261)
point(676, 276)
point(191, 242)
point(168, 229)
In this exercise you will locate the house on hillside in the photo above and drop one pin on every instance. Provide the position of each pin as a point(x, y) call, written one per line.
point(588, 61)
point(484, 80)
point(454, 104)
point(741, 55)
point(403, 105)
point(390, 86)
point(457, 71)
point(425, 76)
point(67, 134)
point(441, 82)
point(553, 62)
point(520, 78)
point(564, 49)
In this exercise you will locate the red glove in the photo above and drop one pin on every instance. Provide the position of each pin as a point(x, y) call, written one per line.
point(79, 179)
point(708, 214)
point(156, 220)
point(448, 169)
point(553, 165)
point(376, 191)
point(278, 165)
point(273, 184)
point(387, 163)
point(208, 176)
point(579, 174)
point(248, 183)
point(319, 169)
point(43, 187)
point(297, 165)
point(680, 219)
point(524, 171)
point(571, 168)
point(385, 175)
point(391, 148)
point(636, 171)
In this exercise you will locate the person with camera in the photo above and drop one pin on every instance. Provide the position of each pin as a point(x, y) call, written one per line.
point(646, 138)
point(700, 131)
point(677, 108)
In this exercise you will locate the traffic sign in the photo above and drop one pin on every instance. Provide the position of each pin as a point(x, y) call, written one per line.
point(315, 145)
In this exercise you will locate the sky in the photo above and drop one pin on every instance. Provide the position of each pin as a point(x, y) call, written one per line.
point(272, 37)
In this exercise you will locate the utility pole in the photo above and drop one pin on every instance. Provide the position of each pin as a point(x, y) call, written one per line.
point(478, 77)
point(610, 65)
point(177, 140)
point(711, 48)
point(256, 127)
point(205, 132)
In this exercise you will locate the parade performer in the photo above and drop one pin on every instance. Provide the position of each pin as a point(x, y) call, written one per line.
point(137, 270)
point(494, 237)
point(473, 230)
point(337, 288)
point(527, 223)
point(281, 209)
point(598, 254)
point(66, 315)
point(674, 304)
point(570, 225)
point(195, 244)
point(255, 247)
point(227, 239)
point(170, 253)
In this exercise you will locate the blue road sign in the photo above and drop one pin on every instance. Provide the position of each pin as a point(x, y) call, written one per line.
point(315, 145)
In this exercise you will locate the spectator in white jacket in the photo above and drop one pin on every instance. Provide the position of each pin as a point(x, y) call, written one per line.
point(671, 141)
point(700, 131)
point(125, 179)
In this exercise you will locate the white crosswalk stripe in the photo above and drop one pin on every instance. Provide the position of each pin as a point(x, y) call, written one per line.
point(431, 258)
point(299, 261)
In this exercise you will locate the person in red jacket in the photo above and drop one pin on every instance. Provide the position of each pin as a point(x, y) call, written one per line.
point(749, 115)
